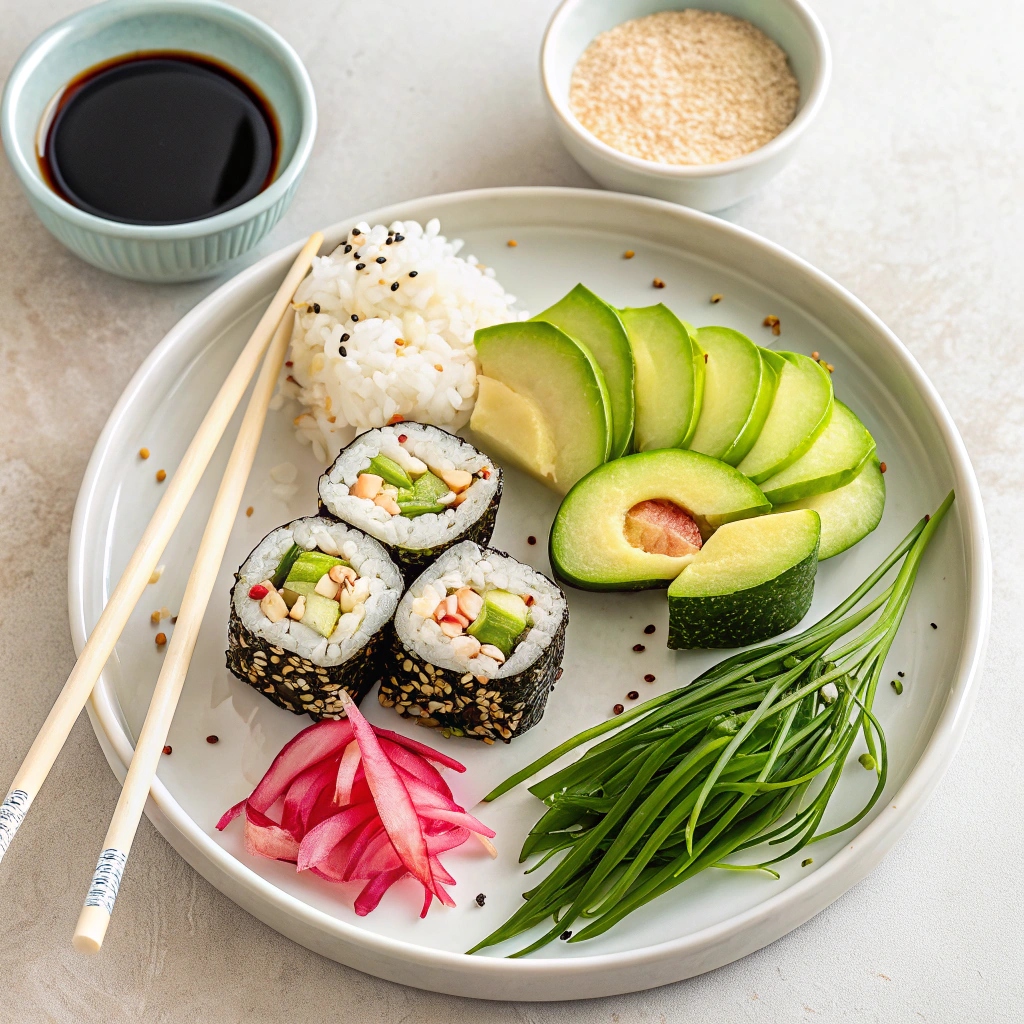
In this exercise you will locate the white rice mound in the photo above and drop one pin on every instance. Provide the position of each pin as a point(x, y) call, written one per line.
point(469, 565)
point(363, 553)
point(434, 447)
point(410, 354)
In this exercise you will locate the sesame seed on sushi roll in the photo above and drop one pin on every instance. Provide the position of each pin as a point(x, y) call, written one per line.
point(311, 613)
point(415, 488)
point(479, 640)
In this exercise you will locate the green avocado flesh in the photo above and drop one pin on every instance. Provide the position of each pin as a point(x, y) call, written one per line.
point(321, 614)
point(310, 566)
point(542, 403)
point(389, 471)
point(800, 412)
point(422, 496)
point(752, 580)
point(668, 377)
point(849, 513)
point(596, 325)
point(501, 621)
point(834, 459)
point(588, 544)
point(738, 389)
point(285, 566)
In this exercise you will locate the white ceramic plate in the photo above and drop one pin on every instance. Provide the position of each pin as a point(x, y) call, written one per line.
point(563, 236)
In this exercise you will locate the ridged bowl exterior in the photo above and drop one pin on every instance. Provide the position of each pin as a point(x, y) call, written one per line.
point(174, 252)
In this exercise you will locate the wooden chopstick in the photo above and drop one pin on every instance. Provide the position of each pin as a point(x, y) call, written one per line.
point(99, 902)
point(130, 587)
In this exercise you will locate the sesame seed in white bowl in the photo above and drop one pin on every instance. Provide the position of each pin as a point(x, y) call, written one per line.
point(697, 105)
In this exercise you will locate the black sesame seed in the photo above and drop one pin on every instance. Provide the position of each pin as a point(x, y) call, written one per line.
point(632, 695)
point(531, 540)
point(399, 238)
point(388, 241)
point(649, 629)
point(356, 231)
point(902, 675)
point(639, 648)
point(934, 626)
point(394, 286)
point(618, 709)
point(316, 307)
point(355, 256)
point(355, 318)
point(649, 678)
point(360, 266)
point(348, 248)
point(413, 273)
point(481, 899)
point(382, 259)
point(566, 935)
point(345, 337)
point(342, 352)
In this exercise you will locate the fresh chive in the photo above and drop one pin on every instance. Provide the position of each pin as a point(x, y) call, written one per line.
point(693, 777)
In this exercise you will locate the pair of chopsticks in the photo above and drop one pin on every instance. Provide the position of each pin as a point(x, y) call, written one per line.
point(273, 330)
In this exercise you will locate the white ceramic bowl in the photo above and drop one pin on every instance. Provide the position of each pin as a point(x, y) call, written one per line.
point(707, 187)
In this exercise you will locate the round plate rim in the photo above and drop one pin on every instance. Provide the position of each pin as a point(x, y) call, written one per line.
point(812, 893)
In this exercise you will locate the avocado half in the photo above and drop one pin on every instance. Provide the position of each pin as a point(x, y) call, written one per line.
point(751, 581)
point(588, 546)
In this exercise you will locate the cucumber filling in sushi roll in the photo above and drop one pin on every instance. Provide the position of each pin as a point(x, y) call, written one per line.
point(415, 488)
point(479, 639)
point(310, 615)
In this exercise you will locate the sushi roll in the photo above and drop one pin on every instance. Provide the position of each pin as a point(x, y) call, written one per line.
point(415, 488)
point(479, 639)
point(311, 613)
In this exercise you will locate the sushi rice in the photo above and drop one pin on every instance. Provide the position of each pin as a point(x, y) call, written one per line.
point(445, 682)
point(433, 448)
point(392, 338)
point(290, 662)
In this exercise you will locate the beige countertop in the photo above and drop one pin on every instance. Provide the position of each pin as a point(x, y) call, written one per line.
point(908, 191)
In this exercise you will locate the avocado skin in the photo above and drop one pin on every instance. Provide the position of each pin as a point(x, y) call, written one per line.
point(746, 617)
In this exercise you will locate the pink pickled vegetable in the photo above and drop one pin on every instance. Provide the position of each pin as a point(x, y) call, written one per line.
point(359, 804)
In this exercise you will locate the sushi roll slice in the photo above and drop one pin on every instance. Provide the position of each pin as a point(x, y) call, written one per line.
point(479, 639)
point(415, 488)
point(311, 613)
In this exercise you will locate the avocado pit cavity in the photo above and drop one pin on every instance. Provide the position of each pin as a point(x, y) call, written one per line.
point(662, 527)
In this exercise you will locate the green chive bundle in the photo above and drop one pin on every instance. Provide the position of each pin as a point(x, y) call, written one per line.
point(714, 768)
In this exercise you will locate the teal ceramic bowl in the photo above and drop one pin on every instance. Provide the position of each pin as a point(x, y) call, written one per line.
point(171, 252)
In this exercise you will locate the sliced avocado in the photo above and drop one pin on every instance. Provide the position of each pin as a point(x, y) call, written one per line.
point(501, 621)
point(738, 390)
point(422, 496)
point(310, 566)
point(389, 471)
point(321, 613)
point(849, 513)
point(560, 379)
point(834, 459)
point(668, 377)
point(752, 580)
point(588, 544)
point(516, 428)
point(285, 566)
point(800, 412)
point(591, 321)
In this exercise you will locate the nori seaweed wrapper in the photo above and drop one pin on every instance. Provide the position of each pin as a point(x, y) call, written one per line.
point(459, 703)
point(412, 561)
point(296, 683)
point(292, 681)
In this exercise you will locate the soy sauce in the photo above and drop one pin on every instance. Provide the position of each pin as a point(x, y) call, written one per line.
point(160, 137)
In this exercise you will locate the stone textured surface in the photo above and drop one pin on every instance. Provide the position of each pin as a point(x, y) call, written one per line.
point(908, 191)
